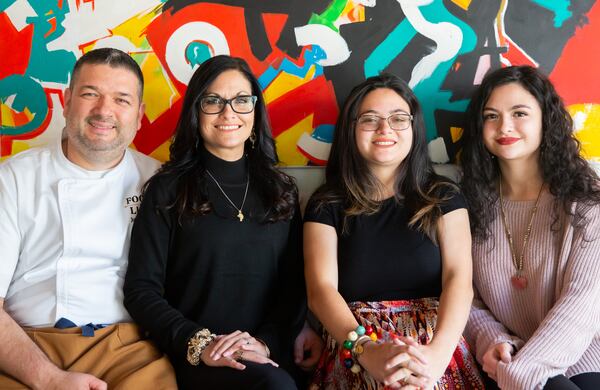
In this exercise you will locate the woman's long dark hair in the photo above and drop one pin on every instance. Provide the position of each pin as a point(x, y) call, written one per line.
point(276, 189)
point(568, 176)
point(349, 179)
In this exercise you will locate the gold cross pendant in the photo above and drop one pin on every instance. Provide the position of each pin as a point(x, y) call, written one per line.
point(240, 215)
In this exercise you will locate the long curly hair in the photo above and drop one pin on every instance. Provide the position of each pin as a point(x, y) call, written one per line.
point(349, 179)
point(568, 176)
point(277, 190)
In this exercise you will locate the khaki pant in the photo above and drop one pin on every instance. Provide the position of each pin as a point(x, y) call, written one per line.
point(116, 354)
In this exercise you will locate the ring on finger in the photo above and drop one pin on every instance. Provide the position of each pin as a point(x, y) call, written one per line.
point(238, 355)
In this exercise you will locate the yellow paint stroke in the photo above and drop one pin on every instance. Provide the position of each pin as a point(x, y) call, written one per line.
point(134, 28)
point(456, 133)
point(464, 4)
point(6, 116)
point(162, 152)
point(286, 143)
point(587, 129)
point(354, 12)
point(285, 83)
point(159, 91)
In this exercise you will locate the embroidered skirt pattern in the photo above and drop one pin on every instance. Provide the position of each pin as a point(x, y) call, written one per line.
point(414, 318)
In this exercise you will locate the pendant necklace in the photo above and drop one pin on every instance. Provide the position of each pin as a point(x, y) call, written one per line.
point(240, 213)
point(519, 281)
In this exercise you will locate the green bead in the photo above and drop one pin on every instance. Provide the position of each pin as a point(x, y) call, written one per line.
point(348, 344)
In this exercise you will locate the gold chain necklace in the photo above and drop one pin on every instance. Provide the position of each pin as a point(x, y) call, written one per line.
point(519, 281)
point(240, 214)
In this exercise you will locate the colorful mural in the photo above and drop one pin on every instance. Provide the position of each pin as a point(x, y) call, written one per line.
point(307, 55)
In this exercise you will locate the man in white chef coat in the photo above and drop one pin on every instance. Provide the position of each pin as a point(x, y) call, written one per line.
point(66, 212)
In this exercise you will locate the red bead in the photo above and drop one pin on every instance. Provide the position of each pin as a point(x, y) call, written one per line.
point(346, 353)
point(368, 330)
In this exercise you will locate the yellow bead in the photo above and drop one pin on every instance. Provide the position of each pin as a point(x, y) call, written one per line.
point(373, 336)
point(359, 349)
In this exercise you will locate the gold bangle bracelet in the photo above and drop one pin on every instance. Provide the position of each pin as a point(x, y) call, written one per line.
point(197, 344)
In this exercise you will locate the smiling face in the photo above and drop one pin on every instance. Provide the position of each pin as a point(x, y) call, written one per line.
point(512, 124)
point(224, 134)
point(383, 147)
point(103, 112)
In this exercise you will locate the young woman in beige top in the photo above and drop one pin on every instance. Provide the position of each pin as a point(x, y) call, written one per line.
point(535, 217)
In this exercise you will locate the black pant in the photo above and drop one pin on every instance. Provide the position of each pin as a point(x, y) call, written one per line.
point(587, 381)
point(254, 377)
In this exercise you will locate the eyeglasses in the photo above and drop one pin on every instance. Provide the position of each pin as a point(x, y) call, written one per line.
point(397, 122)
point(242, 104)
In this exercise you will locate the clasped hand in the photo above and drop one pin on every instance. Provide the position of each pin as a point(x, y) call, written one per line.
point(230, 350)
point(400, 364)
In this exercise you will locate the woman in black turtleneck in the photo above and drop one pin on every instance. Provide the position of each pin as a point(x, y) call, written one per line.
point(215, 266)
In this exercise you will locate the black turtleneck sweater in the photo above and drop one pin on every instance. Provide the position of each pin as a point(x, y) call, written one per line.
point(214, 271)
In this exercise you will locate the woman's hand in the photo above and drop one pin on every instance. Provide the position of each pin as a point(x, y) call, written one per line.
point(435, 365)
point(395, 364)
point(307, 348)
point(228, 350)
point(496, 353)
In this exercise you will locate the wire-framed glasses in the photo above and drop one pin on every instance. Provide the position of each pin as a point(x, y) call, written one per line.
point(371, 122)
point(242, 104)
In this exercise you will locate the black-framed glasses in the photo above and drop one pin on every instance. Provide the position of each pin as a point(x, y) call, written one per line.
point(242, 104)
point(371, 122)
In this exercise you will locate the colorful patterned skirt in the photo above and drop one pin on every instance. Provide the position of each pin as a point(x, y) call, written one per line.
point(414, 318)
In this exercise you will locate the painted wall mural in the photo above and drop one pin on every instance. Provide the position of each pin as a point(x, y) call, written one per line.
point(306, 54)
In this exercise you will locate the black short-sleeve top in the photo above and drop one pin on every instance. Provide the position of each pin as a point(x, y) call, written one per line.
point(379, 257)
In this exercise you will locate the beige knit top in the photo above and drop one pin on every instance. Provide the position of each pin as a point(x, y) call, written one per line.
point(555, 321)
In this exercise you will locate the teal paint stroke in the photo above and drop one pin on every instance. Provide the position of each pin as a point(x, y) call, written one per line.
point(28, 94)
point(560, 9)
point(389, 48)
point(428, 91)
point(196, 53)
point(4, 4)
point(50, 66)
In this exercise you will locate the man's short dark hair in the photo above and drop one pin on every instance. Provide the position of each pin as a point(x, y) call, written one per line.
point(115, 58)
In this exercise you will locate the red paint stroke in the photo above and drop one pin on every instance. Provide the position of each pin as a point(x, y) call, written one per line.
point(6, 140)
point(312, 158)
point(576, 74)
point(79, 2)
point(315, 97)
point(18, 44)
point(154, 134)
point(52, 22)
point(515, 55)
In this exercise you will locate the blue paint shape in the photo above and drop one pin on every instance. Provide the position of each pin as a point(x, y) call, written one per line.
point(560, 9)
point(310, 56)
point(196, 53)
point(324, 133)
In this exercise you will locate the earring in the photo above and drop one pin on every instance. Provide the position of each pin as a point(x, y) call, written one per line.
point(252, 138)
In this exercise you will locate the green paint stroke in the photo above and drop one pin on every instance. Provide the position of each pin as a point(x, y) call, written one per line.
point(330, 15)
point(560, 9)
point(28, 94)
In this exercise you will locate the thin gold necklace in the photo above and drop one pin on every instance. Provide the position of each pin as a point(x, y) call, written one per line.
point(519, 281)
point(240, 213)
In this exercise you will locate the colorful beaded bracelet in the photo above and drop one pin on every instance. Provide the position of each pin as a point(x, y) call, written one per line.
point(353, 346)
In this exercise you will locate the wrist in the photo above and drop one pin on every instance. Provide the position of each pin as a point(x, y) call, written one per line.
point(44, 376)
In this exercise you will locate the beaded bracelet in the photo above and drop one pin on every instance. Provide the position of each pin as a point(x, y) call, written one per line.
point(353, 346)
point(197, 344)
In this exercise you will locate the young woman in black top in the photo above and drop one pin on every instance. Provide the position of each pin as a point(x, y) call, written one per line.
point(215, 265)
point(388, 252)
